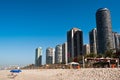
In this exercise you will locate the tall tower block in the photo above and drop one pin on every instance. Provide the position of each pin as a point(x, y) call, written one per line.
point(74, 43)
point(38, 56)
point(104, 30)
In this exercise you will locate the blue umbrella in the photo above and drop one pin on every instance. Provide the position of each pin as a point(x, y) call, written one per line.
point(15, 70)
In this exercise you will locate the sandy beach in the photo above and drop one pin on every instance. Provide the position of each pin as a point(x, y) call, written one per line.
point(64, 74)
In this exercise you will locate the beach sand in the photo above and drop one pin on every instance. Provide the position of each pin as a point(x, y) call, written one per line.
point(64, 74)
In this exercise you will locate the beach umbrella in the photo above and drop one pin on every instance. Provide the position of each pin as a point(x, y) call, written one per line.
point(15, 70)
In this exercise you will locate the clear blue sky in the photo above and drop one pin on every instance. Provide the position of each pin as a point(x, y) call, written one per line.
point(28, 24)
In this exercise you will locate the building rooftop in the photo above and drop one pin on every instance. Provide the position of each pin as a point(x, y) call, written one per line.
point(103, 9)
point(76, 29)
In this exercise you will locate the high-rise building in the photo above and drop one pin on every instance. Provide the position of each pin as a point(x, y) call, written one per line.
point(86, 49)
point(104, 30)
point(64, 53)
point(50, 55)
point(38, 56)
point(119, 40)
point(58, 54)
point(93, 41)
point(116, 43)
point(75, 43)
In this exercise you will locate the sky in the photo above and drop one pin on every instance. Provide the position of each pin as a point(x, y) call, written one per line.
point(28, 24)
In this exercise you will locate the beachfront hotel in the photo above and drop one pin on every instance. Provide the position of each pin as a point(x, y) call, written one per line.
point(116, 41)
point(58, 54)
point(64, 53)
point(104, 30)
point(93, 41)
point(50, 55)
point(38, 56)
point(86, 49)
point(74, 43)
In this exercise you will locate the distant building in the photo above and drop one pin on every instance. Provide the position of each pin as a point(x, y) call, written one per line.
point(64, 53)
point(119, 40)
point(104, 30)
point(86, 49)
point(93, 41)
point(116, 40)
point(58, 54)
point(38, 56)
point(50, 55)
point(74, 43)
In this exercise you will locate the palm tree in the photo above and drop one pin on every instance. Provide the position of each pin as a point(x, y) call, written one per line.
point(110, 53)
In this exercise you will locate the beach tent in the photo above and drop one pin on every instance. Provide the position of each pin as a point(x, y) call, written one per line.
point(15, 71)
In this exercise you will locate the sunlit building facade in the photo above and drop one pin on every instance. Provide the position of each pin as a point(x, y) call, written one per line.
point(93, 41)
point(86, 49)
point(38, 56)
point(50, 55)
point(116, 41)
point(58, 54)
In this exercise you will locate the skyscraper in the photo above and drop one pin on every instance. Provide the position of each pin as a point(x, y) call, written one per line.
point(116, 43)
point(93, 41)
point(38, 56)
point(86, 49)
point(50, 55)
point(58, 54)
point(104, 30)
point(119, 40)
point(75, 43)
point(64, 53)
